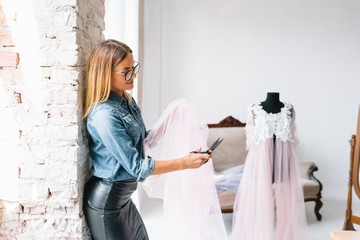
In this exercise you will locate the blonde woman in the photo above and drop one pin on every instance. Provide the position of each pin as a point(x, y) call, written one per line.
point(116, 135)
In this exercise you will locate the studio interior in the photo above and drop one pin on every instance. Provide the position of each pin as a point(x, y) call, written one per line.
point(226, 58)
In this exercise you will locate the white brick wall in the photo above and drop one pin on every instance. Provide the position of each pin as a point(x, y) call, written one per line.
point(44, 158)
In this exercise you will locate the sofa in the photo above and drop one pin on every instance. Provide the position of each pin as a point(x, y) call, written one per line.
point(232, 152)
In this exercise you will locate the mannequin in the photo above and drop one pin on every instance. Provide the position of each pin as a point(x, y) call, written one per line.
point(270, 194)
point(272, 103)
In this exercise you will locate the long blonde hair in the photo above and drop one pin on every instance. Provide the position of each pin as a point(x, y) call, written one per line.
point(102, 60)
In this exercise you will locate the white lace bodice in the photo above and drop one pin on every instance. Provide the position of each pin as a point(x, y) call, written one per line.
point(262, 125)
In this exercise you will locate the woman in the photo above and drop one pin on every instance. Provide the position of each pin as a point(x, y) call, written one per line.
point(116, 135)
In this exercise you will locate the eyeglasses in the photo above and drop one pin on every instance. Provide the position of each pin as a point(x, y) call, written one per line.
point(128, 74)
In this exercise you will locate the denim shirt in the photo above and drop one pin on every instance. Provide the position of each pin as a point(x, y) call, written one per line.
point(117, 133)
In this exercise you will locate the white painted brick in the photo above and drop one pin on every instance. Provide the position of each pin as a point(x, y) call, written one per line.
point(64, 3)
point(40, 153)
point(54, 41)
point(33, 116)
point(8, 130)
point(59, 58)
point(64, 76)
point(59, 211)
point(73, 212)
point(11, 77)
point(30, 190)
point(39, 209)
point(62, 191)
point(34, 155)
point(7, 226)
point(8, 218)
point(63, 94)
point(63, 172)
point(54, 135)
point(7, 97)
point(57, 153)
point(31, 171)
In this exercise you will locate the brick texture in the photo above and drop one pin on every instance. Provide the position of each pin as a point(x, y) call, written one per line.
point(41, 87)
point(6, 40)
point(9, 59)
point(3, 20)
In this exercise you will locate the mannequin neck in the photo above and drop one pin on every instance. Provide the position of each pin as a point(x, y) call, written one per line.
point(272, 103)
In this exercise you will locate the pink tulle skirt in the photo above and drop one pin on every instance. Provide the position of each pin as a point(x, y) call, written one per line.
point(270, 204)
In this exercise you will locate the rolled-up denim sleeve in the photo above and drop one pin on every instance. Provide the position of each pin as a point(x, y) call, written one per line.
point(147, 168)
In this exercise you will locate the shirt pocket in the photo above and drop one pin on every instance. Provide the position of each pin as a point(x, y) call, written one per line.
point(128, 119)
point(132, 127)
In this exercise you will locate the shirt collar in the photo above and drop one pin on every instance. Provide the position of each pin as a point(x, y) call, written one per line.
point(115, 97)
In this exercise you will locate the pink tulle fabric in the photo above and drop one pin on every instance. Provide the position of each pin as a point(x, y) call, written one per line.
point(269, 204)
point(191, 206)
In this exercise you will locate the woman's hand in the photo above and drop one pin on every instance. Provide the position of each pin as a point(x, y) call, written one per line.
point(195, 160)
point(192, 160)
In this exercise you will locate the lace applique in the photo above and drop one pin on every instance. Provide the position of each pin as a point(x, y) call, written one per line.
point(262, 125)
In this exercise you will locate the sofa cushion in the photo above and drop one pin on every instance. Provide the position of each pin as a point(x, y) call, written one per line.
point(226, 200)
point(232, 151)
point(311, 188)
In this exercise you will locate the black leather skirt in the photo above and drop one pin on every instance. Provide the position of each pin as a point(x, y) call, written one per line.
point(109, 212)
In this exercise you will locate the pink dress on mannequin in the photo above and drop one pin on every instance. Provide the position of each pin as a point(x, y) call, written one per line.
point(191, 206)
point(269, 204)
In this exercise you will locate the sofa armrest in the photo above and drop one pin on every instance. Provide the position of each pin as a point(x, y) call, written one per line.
point(307, 169)
point(311, 185)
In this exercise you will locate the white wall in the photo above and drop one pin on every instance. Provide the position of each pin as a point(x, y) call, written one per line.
point(121, 23)
point(225, 54)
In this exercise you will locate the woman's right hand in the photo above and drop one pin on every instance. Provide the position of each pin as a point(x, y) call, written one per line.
point(192, 160)
point(195, 160)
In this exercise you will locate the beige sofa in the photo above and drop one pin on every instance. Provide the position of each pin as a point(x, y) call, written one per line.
point(232, 152)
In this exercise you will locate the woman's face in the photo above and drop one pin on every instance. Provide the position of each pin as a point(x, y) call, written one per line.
point(118, 82)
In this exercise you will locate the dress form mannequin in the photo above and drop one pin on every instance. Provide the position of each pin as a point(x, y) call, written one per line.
point(272, 103)
point(270, 194)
